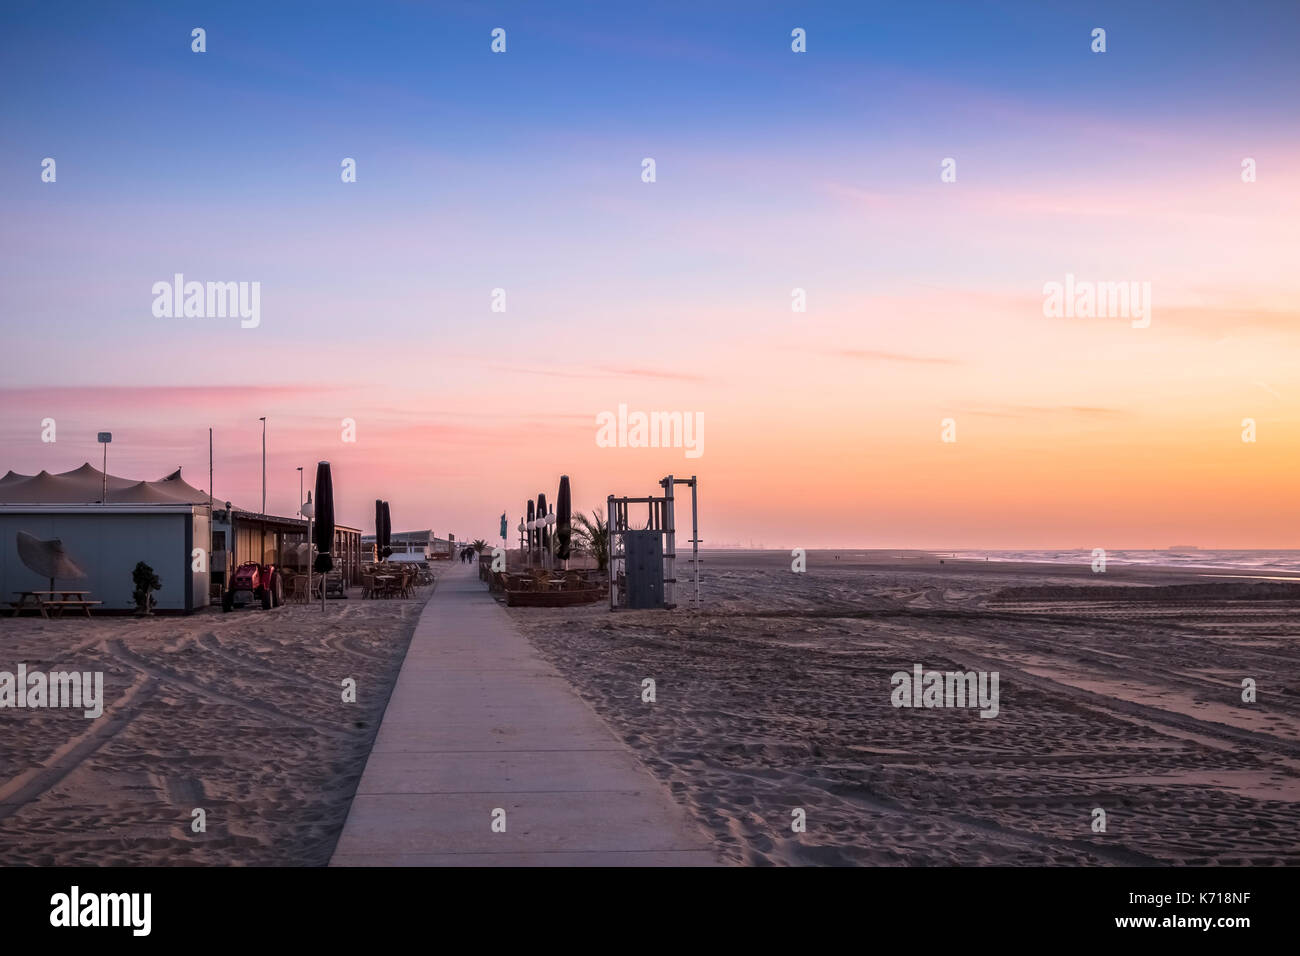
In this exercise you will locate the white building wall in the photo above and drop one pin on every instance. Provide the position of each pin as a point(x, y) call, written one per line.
point(107, 546)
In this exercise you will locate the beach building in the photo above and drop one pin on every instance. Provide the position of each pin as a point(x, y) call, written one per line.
point(423, 543)
point(239, 536)
point(157, 522)
point(108, 523)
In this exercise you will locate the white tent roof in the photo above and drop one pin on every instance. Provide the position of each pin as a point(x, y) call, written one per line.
point(85, 485)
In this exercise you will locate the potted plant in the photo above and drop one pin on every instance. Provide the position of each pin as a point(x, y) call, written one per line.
point(146, 582)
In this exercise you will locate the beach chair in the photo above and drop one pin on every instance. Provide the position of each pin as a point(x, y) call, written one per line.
point(367, 586)
point(298, 589)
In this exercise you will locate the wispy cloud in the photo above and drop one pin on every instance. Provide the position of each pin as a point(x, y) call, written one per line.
point(1224, 321)
point(604, 371)
point(874, 355)
point(1032, 411)
point(136, 394)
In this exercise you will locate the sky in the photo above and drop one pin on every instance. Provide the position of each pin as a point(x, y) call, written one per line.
point(775, 170)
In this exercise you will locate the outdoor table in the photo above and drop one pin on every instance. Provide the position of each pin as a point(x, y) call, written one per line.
point(45, 601)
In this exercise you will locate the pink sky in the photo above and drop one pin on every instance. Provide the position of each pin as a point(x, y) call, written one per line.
point(822, 429)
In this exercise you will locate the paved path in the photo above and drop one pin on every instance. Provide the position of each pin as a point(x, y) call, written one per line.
point(479, 721)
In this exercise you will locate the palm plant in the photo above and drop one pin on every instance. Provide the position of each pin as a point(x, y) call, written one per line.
point(479, 545)
point(591, 534)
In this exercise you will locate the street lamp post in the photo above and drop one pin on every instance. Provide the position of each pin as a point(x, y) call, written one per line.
point(261, 558)
point(104, 439)
point(309, 511)
point(308, 527)
point(263, 421)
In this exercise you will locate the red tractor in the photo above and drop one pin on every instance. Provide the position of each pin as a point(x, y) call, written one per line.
point(253, 582)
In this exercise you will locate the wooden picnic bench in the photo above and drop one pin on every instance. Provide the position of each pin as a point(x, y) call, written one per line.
point(46, 601)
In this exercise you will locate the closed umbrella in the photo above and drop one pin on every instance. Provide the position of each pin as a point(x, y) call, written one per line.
point(379, 530)
point(563, 520)
point(387, 532)
point(543, 535)
point(47, 558)
point(324, 531)
point(531, 531)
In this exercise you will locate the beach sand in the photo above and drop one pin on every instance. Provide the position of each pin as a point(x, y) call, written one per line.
point(238, 714)
point(776, 697)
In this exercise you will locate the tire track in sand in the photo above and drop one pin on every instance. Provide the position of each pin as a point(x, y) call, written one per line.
point(30, 784)
point(119, 650)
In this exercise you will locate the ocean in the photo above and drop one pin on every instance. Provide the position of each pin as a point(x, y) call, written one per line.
point(1260, 561)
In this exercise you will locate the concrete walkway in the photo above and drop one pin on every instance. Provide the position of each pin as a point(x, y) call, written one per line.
point(479, 721)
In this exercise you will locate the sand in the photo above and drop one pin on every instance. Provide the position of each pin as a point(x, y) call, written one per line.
point(777, 697)
point(238, 714)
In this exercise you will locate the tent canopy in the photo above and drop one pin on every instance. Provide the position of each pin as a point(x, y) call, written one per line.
point(85, 485)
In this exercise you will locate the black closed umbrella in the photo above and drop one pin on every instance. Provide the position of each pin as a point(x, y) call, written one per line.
point(387, 532)
point(531, 532)
point(563, 520)
point(324, 531)
point(379, 530)
point(544, 534)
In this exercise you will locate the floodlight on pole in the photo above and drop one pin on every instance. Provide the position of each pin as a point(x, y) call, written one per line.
point(105, 438)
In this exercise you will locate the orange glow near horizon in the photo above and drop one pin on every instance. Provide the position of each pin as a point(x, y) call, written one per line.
point(822, 428)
